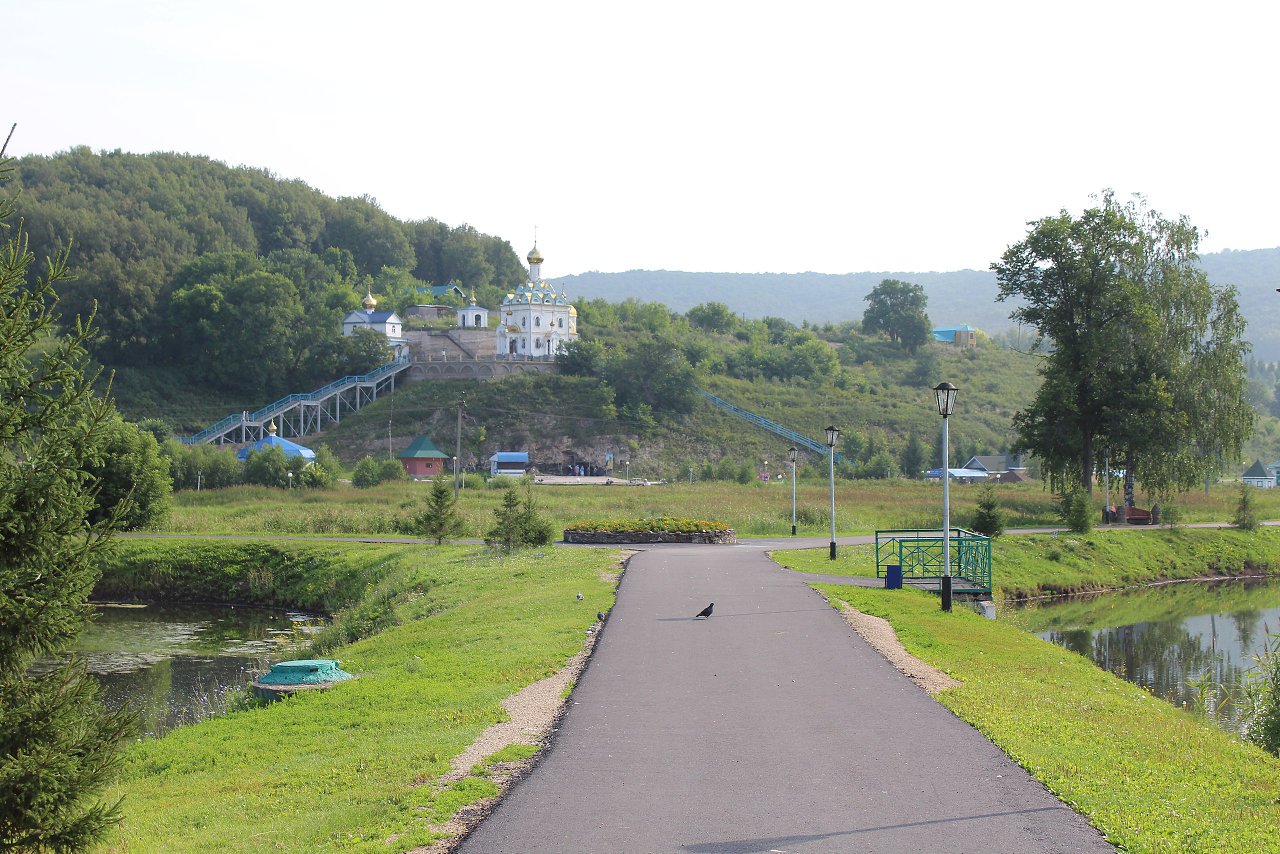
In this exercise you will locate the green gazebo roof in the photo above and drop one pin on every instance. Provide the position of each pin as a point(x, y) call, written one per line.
point(1256, 470)
point(422, 448)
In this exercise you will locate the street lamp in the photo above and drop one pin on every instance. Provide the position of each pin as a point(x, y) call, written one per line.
point(946, 397)
point(791, 456)
point(766, 472)
point(290, 480)
point(628, 464)
point(455, 478)
point(833, 433)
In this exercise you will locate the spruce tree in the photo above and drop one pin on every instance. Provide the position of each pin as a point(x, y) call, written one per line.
point(57, 745)
point(988, 519)
point(1246, 516)
point(439, 518)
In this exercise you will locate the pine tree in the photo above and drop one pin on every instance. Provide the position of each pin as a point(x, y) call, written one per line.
point(1246, 518)
point(988, 519)
point(57, 745)
point(439, 519)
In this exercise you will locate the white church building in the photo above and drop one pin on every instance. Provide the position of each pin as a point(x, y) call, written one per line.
point(535, 321)
point(386, 322)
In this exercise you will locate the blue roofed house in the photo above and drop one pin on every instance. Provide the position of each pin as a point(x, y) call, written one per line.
point(271, 440)
point(509, 463)
point(964, 336)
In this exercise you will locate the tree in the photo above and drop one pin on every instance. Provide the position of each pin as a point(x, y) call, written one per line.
point(129, 468)
point(713, 317)
point(57, 745)
point(1147, 359)
point(911, 461)
point(439, 518)
point(988, 519)
point(518, 524)
point(1246, 515)
point(898, 310)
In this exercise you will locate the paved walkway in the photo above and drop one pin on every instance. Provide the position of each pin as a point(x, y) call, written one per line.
point(770, 727)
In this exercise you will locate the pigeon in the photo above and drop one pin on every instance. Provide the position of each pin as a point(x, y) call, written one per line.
point(705, 612)
point(579, 597)
point(600, 616)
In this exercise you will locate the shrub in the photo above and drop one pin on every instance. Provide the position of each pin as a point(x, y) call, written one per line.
point(1074, 511)
point(370, 472)
point(1246, 517)
point(988, 518)
point(518, 524)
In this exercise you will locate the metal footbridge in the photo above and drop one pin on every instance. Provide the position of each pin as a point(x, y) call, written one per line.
point(301, 414)
point(777, 429)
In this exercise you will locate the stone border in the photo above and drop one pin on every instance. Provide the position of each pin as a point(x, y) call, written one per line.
point(620, 538)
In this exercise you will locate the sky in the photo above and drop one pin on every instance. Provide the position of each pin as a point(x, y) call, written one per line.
point(703, 136)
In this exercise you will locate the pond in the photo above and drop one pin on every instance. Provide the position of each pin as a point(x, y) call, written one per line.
point(175, 664)
point(1188, 643)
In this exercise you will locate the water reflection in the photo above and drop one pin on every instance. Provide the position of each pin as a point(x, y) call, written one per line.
point(1191, 643)
point(177, 664)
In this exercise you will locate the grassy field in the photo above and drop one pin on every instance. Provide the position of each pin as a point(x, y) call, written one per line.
point(440, 635)
point(753, 510)
point(1151, 777)
point(355, 768)
point(1047, 564)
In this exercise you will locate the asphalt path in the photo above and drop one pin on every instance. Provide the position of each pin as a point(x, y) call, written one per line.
point(770, 727)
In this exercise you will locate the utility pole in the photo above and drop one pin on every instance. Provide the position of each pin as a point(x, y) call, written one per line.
point(457, 442)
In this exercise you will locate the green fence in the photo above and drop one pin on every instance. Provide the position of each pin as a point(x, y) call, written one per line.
point(920, 554)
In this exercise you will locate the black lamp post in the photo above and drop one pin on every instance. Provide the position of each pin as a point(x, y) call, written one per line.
point(792, 453)
point(946, 397)
point(833, 434)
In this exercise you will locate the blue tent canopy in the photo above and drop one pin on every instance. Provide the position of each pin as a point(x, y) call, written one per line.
point(291, 449)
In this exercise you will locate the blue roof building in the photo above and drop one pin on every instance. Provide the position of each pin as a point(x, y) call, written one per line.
point(271, 440)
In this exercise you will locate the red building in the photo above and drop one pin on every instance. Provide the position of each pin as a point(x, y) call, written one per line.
point(422, 458)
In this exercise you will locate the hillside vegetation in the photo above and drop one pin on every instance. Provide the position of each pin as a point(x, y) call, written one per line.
point(959, 296)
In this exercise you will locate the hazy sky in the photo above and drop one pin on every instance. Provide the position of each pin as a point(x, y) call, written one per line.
point(704, 136)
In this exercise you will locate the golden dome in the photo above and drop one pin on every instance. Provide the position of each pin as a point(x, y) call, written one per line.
point(369, 302)
point(535, 257)
point(573, 312)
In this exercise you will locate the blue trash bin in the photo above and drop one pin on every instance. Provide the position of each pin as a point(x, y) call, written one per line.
point(893, 577)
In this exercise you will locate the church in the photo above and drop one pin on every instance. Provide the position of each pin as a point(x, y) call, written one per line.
point(535, 321)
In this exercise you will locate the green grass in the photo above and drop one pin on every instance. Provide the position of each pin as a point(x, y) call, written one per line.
point(1048, 564)
point(753, 510)
point(354, 767)
point(1149, 776)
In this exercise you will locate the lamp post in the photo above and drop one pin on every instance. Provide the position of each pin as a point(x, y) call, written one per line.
point(791, 456)
point(455, 478)
point(290, 480)
point(628, 464)
point(945, 393)
point(766, 472)
point(833, 433)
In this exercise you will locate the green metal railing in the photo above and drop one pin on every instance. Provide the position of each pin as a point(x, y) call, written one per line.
point(920, 554)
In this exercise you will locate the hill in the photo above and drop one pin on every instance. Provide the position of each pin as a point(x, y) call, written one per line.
point(962, 296)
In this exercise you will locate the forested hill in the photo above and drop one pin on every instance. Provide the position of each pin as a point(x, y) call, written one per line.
point(963, 296)
point(231, 278)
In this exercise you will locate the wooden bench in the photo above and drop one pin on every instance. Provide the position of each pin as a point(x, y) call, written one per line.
point(1137, 516)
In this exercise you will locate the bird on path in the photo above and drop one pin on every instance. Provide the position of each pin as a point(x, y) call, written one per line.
point(705, 612)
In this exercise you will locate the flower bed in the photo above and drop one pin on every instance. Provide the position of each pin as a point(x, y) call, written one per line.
point(661, 530)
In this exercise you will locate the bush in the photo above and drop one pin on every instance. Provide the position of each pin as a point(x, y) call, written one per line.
point(1074, 511)
point(519, 524)
point(370, 472)
point(1246, 517)
point(988, 519)
point(1262, 698)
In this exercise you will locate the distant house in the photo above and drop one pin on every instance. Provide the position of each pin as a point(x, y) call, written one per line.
point(422, 458)
point(271, 440)
point(994, 464)
point(964, 336)
point(962, 475)
point(473, 316)
point(1257, 475)
point(439, 291)
point(386, 322)
point(509, 463)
